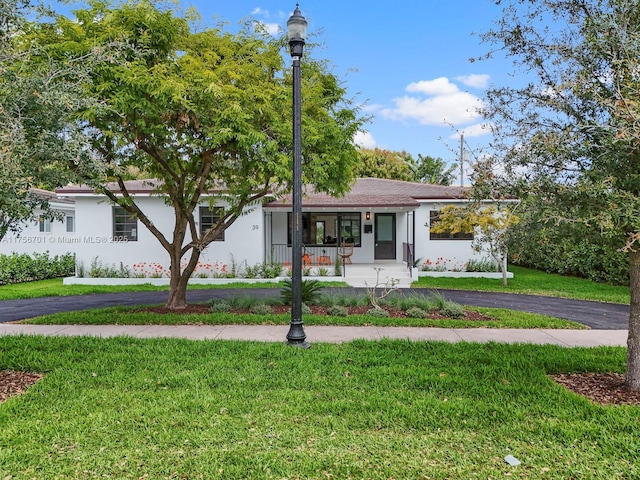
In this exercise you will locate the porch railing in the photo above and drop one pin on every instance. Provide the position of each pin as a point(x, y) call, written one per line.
point(311, 254)
point(407, 254)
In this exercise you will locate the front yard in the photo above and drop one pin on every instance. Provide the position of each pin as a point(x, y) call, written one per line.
point(177, 409)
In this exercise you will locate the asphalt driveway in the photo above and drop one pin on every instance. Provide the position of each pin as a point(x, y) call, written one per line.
point(596, 315)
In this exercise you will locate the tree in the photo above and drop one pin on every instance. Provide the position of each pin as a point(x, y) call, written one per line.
point(379, 163)
point(490, 224)
point(201, 112)
point(571, 133)
point(38, 133)
point(432, 170)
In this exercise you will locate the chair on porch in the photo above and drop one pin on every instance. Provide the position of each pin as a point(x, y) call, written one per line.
point(345, 251)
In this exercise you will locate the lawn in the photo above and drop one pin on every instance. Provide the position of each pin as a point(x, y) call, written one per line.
point(535, 282)
point(500, 318)
point(54, 288)
point(177, 409)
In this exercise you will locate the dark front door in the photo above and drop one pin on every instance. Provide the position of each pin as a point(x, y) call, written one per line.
point(385, 236)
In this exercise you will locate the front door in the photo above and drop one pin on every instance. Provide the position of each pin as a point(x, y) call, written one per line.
point(385, 236)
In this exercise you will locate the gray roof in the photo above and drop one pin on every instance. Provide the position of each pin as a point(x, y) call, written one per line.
point(51, 197)
point(133, 187)
point(364, 192)
point(377, 192)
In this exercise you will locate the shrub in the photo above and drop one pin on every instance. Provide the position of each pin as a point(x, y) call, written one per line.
point(271, 270)
point(252, 271)
point(452, 310)
point(377, 312)
point(403, 301)
point(306, 309)
point(243, 302)
point(415, 312)
point(436, 302)
point(17, 268)
point(261, 309)
point(100, 270)
point(310, 291)
point(567, 248)
point(219, 307)
point(482, 265)
point(337, 311)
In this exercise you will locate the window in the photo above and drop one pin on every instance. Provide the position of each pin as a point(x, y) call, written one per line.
point(434, 216)
point(209, 218)
point(125, 225)
point(329, 228)
point(44, 224)
point(71, 224)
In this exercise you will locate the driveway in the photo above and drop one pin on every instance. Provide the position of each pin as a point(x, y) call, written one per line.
point(596, 315)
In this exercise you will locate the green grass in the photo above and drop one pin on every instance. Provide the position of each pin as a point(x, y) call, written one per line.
point(177, 409)
point(537, 283)
point(129, 316)
point(54, 288)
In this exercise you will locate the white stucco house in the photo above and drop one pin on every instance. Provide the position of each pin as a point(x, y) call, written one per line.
point(385, 220)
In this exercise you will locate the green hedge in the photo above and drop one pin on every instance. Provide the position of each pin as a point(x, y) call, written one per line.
point(569, 249)
point(18, 268)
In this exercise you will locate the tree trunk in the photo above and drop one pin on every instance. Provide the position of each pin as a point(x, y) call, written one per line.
point(180, 279)
point(633, 340)
point(177, 293)
point(503, 268)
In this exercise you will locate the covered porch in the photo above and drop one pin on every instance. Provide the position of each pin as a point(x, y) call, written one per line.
point(365, 237)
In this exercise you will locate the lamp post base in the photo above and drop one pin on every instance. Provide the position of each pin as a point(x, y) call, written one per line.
point(296, 336)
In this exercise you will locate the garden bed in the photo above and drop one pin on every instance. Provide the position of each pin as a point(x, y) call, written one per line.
point(450, 274)
point(161, 282)
point(317, 310)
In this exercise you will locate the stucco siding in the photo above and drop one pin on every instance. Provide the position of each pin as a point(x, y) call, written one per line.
point(30, 240)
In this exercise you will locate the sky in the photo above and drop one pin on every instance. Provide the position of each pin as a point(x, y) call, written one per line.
point(407, 62)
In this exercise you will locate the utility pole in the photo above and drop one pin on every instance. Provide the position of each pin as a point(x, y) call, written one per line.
point(462, 159)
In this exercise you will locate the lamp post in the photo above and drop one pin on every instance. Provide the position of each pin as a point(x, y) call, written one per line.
point(296, 32)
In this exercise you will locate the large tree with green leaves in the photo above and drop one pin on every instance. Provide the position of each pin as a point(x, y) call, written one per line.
point(39, 135)
point(428, 169)
point(380, 163)
point(201, 112)
point(570, 134)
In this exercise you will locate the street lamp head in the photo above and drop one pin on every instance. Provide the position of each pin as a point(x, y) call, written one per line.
point(296, 32)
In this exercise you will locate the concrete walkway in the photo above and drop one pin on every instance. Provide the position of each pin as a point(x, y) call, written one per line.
point(329, 334)
point(607, 322)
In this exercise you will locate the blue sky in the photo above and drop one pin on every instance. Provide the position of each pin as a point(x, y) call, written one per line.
point(408, 61)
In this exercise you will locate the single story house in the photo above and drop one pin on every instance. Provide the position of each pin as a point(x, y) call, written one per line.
point(384, 220)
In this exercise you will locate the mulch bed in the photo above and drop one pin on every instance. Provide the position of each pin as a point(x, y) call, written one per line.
point(315, 310)
point(15, 383)
point(602, 388)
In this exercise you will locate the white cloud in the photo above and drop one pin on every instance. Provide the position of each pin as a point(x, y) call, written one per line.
point(272, 29)
point(371, 108)
point(476, 130)
point(364, 139)
point(439, 86)
point(474, 81)
point(436, 102)
point(259, 11)
point(458, 108)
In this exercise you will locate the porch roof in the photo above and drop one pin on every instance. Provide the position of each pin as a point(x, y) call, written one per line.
point(376, 192)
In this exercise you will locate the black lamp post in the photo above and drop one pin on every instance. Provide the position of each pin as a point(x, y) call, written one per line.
point(296, 32)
